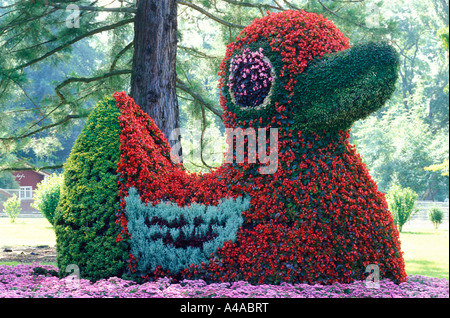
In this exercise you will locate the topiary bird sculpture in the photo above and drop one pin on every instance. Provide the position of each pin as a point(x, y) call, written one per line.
point(308, 212)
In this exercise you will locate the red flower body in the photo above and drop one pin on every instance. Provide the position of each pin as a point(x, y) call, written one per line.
point(318, 218)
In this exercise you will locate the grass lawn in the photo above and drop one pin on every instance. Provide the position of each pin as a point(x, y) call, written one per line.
point(26, 232)
point(426, 251)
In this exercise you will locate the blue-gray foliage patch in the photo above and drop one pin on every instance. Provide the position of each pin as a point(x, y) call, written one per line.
point(175, 237)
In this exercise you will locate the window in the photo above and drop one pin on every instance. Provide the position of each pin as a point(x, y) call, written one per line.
point(26, 193)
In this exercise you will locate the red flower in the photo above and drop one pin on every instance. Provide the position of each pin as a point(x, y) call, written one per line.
point(319, 218)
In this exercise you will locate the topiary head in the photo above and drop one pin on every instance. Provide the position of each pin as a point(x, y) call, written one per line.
point(296, 69)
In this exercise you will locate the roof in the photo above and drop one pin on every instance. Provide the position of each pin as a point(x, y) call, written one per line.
point(41, 172)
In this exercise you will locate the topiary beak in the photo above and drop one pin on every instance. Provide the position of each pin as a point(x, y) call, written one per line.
point(341, 88)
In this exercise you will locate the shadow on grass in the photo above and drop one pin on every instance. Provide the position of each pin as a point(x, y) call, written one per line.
point(426, 268)
point(418, 233)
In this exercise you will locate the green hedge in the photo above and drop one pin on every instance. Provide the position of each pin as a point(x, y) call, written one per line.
point(85, 218)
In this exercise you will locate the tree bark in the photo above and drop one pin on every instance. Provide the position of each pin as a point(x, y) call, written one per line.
point(153, 79)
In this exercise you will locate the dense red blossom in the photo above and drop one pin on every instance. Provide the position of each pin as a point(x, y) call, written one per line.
point(318, 218)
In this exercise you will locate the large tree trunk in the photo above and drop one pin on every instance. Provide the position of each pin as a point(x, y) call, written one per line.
point(153, 80)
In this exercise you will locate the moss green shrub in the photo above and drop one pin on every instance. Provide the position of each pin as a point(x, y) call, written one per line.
point(85, 218)
point(436, 216)
point(402, 204)
point(12, 208)
point(47, 194)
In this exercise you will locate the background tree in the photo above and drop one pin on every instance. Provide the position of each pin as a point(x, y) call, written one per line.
point(12, 208)
point(389, 140)
point(35, 34)
point(7, 181)
point(153, 79)
point(436, 216)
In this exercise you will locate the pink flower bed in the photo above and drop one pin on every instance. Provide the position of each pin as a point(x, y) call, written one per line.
point(22, 281)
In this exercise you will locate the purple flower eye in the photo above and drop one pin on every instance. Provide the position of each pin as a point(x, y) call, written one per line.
point(250, 80)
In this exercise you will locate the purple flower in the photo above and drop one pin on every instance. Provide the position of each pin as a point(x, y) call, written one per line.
point(247, 82)
point(19, 282)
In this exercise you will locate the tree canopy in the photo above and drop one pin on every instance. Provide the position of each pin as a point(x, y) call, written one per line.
point(52, 72)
